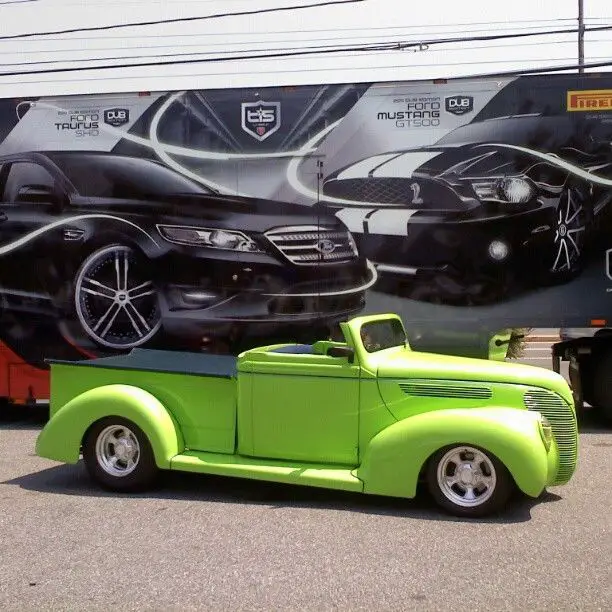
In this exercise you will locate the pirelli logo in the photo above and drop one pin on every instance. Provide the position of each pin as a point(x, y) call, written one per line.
point(590, 100)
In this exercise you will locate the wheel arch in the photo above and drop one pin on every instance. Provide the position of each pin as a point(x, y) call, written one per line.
point(396, 458)
point(62, 437)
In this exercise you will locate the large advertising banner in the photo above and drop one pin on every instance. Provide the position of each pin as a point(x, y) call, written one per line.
point(217, 216)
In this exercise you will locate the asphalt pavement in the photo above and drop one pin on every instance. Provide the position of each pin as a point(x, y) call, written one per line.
point(203, 543)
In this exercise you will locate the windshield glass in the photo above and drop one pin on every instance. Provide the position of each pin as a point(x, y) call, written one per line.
point(99, 176)
point(379, 335)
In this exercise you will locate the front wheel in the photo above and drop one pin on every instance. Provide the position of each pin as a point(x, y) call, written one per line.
point(118, 455)
point(468, 482)
point(566, 257)
point(115, 298)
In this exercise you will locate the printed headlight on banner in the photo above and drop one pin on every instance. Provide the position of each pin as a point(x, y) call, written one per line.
point(214, 238)
point(515, 190)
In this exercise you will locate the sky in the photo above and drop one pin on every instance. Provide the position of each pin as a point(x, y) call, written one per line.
point(350, 24)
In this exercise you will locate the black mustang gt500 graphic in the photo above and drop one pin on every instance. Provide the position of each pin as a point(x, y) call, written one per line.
point(129, 246)
point(493, 205)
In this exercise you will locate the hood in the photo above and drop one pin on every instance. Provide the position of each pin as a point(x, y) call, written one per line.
point(230, 212)
point(406, 364)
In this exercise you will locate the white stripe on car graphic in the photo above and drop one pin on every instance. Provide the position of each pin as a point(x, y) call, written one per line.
point(386, 221)
point(17, 244)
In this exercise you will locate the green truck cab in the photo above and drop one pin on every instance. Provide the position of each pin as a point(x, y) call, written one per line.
point(365, 414)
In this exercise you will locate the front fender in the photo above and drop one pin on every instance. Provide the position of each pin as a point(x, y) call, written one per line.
point(393, 459)
point(61, 437)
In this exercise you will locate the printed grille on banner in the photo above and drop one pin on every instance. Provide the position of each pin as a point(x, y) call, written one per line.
point(312, 245)
point(373, 190)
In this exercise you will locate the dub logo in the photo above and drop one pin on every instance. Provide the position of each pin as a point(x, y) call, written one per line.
point(459, 105)
point(116, 116)
point(260, 119)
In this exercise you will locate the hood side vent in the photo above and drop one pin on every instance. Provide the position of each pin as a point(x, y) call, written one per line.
point(443, 388)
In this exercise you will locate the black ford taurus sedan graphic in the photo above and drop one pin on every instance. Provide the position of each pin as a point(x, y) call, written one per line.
point(127, 246)
point(493, 205)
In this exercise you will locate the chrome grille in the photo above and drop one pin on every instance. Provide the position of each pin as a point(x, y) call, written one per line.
point(311, 245)
point(429, 388)
point(564, 426)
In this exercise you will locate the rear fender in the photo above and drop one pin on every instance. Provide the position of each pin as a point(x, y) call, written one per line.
point(394, 458)
point(62, 436)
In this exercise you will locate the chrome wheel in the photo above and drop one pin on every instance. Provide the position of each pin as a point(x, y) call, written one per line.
point(116, 300)
point(569, 233)
point(466, 476)
point(117, 450)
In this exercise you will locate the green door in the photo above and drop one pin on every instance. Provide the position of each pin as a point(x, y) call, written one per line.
point(306, 412)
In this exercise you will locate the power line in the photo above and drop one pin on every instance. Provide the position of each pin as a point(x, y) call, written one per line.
point(285, 71)
point(228, 53)
point(233, 43)
point(268, 54)
point(182, 19)
point(321, 31)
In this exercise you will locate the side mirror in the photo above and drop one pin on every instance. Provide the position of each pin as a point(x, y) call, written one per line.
point(342, 351)
point(37, 194)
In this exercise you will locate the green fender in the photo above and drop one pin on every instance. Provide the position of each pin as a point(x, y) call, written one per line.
point(61, 437)
point(393, 459)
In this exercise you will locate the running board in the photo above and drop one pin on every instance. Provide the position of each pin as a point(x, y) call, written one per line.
point(308, 474)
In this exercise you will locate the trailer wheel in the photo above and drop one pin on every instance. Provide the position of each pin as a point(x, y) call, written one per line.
point(469, 482)
point(602, 390)
point(118, 455)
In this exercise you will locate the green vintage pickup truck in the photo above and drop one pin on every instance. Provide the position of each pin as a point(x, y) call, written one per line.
point(364, 414)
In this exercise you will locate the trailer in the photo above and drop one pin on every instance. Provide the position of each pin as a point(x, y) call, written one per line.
point(224, 219)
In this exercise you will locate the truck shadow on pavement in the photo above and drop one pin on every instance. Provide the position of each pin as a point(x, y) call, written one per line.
point(183, 486)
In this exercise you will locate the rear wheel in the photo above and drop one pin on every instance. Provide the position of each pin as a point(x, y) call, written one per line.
point(469, 482)
point(601, 388)
point(118, 455)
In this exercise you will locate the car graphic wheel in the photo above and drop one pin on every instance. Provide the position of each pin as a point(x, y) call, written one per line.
point(467, 481)
point(118, 455)
point(115, 299)
point(569, 237)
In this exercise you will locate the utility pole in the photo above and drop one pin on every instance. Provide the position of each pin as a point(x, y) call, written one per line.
point(580, 35)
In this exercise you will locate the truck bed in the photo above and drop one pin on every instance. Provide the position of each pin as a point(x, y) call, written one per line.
point(170, 362)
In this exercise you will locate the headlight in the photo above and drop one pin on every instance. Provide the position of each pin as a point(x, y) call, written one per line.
point(229, 240)
point(515, 190)
point(546, 432)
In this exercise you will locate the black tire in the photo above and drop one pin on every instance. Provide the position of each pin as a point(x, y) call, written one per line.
point(132, 311)
point(97, 450)
point(601, 387)
point(474, 461)
point(565, 260)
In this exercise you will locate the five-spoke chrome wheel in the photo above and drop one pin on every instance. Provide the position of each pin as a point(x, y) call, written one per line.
point(117, 450)
point(468, 481)
point(115, 299)
point(466, 476)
